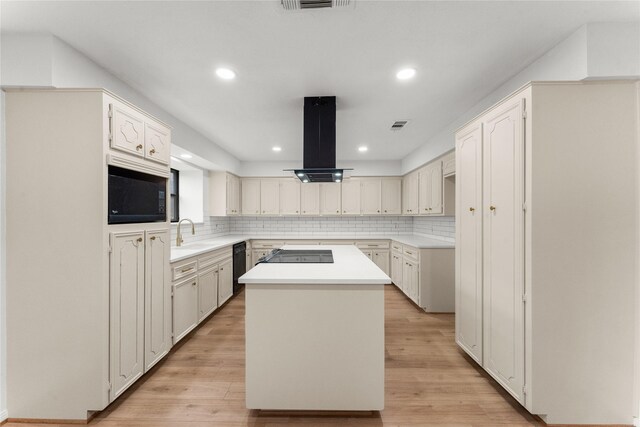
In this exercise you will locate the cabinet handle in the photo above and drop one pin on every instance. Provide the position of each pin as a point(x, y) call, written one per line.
point(493, 208)
point(139, 239)
point(221, 269)
point(139, 147)
point(296, 211)
point(385, 211)
point(337, 211)
point(152, 151)
point(184, 270)
point(426, 209)
point(378, 211)
point(152, 237)
point(193, 284)
point(472, 209)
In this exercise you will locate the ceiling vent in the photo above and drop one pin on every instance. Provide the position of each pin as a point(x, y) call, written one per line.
point(313, 4)
point(399, 124)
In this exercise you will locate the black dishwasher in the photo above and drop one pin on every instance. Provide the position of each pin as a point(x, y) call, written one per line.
point(239, 264)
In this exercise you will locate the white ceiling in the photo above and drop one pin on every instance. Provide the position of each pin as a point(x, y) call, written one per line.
point(168, 50)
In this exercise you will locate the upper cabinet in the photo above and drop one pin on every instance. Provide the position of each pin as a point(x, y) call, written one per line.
point(449, 164)
point(310, 199)
point(370, 192)
point(224, 194)
point(430, 189)
point(250, 196)
point(351, 196)
point(270, 196)
point(391, 196)
point(330, 198)
point(290, 196)
point(135, 133)
point(410, 194)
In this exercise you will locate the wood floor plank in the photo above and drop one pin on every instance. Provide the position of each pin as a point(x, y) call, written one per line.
point(428, 381)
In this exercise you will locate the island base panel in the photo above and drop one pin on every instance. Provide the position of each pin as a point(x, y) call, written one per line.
point(315, 347)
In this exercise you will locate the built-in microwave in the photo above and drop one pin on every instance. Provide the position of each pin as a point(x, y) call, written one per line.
point(136, 197)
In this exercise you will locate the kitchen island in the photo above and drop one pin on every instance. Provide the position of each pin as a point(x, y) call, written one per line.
point(315, 334)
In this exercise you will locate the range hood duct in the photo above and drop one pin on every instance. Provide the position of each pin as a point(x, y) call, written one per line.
point(319, 141)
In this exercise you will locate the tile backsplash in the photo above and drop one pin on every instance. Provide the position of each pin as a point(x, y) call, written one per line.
point(437, 227)
point(321, 225)
point(443, 227)
point(212, 227)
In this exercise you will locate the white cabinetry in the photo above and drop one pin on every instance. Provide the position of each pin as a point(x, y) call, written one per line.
point(200, 285)
point(351, 196)
point(224, 194)
point(250, 196)
point(410, 194)
point(330, 197)
point(527, 174)
point(270, 196)
point(430, 189)
point(391, 196)
point(157, 142)
point(310, 199)
point(290, 196)
point(157, 297)
point(371, 193)
point(127, 310)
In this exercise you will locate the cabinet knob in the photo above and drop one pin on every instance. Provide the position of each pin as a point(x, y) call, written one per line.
point(152, 237)
point(152, 151)
point(193, 284)
point(379, 211)
point(139, 239)
point(139, 147)
point(472, 209)
point(337, 211)
point(296, 211)
point(493, 208)
point(385, 211)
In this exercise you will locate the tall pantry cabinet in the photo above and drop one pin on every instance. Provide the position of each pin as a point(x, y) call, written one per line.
point(545, 247)
point(88, 303)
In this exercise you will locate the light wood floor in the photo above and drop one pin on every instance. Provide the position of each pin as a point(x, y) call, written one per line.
point(429, 381)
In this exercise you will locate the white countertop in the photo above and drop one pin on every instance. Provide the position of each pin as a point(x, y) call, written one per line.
point(202, 246)
point(350, 267)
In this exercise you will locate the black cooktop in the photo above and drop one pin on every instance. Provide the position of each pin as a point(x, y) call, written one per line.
point(298, 256)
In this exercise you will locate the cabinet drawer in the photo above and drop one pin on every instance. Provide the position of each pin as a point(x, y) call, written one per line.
point(184, 270)
point(337, 242)
point(302, 242)
point(267, 244)
point(214, 257)
point(397, 247)
point(373, 244)
point(410, 252)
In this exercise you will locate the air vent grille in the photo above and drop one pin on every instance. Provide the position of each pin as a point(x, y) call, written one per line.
point(313, 4)
point(399, 124)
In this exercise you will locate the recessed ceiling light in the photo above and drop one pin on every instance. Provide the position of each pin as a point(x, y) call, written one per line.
point(305, 180)
point(277, 148)
point(338, 180)
point(300, 174)
point(186, 156)
point(338, 174)
point(225, 73)
point(362, 149)
point(406, 73)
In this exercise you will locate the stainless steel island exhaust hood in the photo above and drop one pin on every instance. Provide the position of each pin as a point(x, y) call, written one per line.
point(319, 141)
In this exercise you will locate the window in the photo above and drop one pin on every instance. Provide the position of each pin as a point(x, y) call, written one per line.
point(174, 186)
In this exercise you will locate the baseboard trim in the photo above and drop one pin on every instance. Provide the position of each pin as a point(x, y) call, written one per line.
point(3, 416)
point(45, 421)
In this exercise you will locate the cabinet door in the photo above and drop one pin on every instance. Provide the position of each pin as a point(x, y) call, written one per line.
point(435, 192)
point(424, 191)
point(157, 140)
point(270, 196)
point(185, 307)
point(368, 253)
point(330, 195)
point(225, 287)
point(406, 278)
point(127, 130)
point(414, 273)
point(207, 292)
point(391, 196)
point(371, 194)
point(157, 297)
point(248, 264)
point(396, 269)
point(233, 195)
point(503, 246)
point(410, 194)
point(381, 258)
point(126, 310)
point(250, 197)
point(310, 199)
point(290, 197)
point(469, 241)
point(351, 197)
point(449, 164)
point(259, 253)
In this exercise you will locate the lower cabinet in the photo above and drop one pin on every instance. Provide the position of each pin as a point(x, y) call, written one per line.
point(200, 285)
point(377, 251)
point(140, 305)
point(381, 258)
point(426, 276)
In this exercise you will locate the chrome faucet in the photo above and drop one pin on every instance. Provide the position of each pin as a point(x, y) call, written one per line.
point(179, 237)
